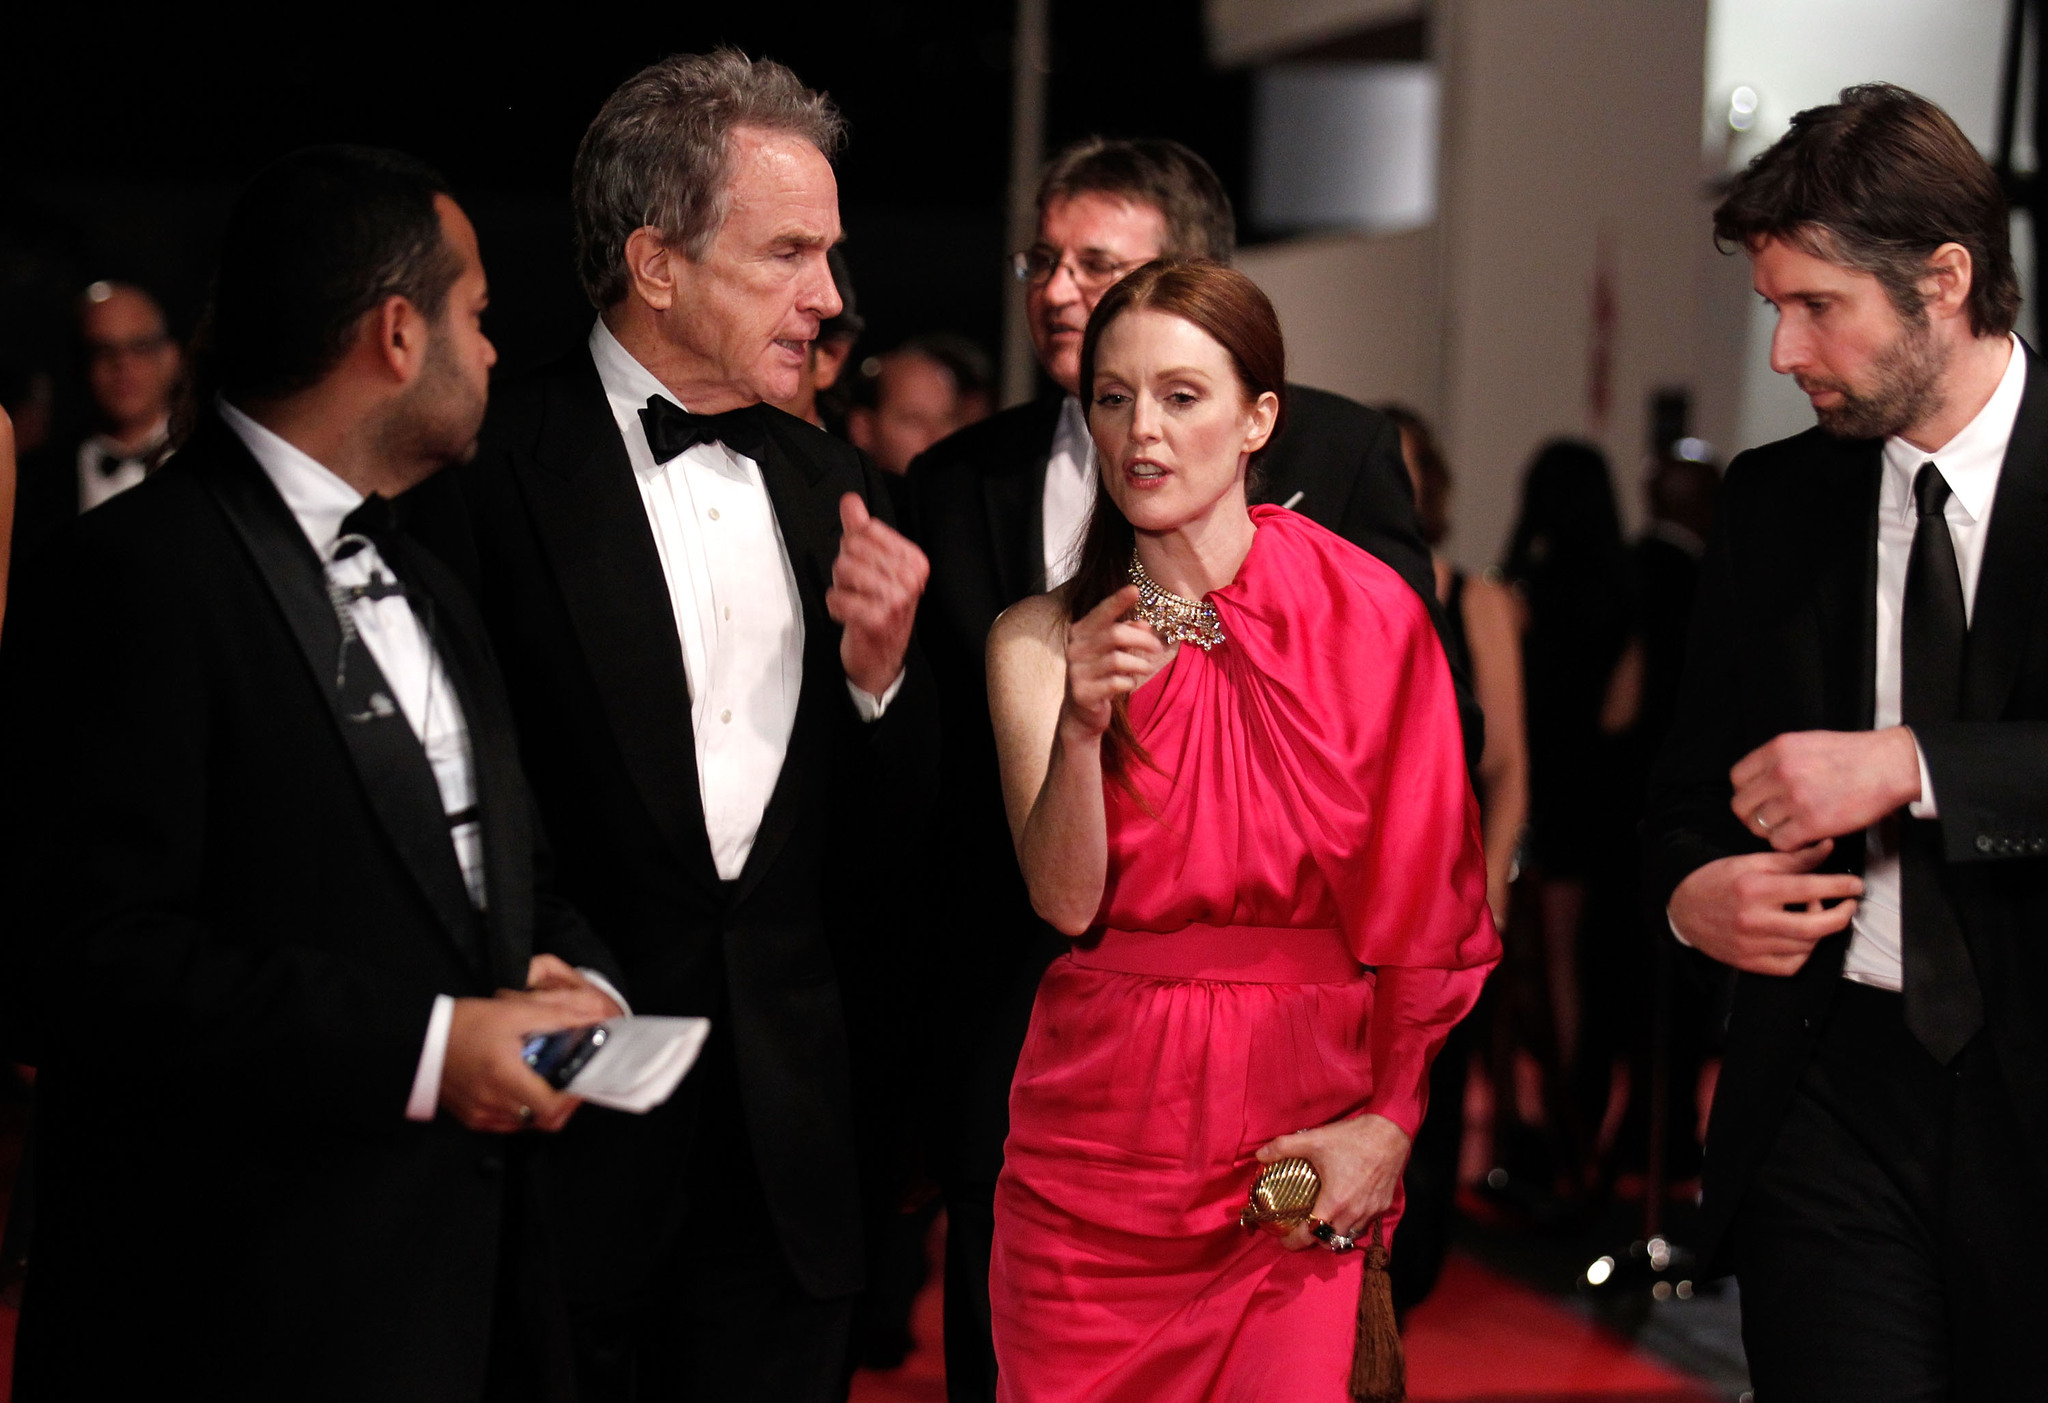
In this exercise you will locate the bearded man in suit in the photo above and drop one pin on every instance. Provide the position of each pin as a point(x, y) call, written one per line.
point(1000, 508)
point(1852, 807)
point(272, 865)
point(706, 624)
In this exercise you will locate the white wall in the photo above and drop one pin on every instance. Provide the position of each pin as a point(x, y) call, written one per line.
point(1359, 313)
point(1800, 53)
point(1571, 144)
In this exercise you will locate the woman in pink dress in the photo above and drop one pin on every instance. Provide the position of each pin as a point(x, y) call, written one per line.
point(1233, 768)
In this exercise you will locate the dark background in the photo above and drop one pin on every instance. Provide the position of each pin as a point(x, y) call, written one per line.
point(122, 140)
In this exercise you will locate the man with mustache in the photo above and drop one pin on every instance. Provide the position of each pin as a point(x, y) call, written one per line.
point(1852, 807)
point(705, 620)
point(1000, 508)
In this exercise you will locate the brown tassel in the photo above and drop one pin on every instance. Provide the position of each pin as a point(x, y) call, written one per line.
point(1379, 1371)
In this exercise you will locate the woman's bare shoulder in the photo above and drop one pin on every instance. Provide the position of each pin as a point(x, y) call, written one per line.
point(1040, 619)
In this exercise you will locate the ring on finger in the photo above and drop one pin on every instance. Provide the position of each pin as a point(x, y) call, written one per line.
point(1763, 825)
point(1327, 1234)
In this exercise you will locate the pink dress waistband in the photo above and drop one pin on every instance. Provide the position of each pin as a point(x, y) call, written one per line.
point(1237, 954)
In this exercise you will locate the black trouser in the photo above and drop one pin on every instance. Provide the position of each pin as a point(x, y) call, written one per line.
point(1890, 1247)
point(715, 1314)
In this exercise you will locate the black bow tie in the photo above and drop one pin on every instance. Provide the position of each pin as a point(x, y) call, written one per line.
point(670, 429)
point(375, 521)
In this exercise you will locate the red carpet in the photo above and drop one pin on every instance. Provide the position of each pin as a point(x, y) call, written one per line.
point(1480, 1338)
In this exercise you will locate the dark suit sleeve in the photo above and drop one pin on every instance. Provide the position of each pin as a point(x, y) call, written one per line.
point(1687, 822)
point(1990, 787)
point(115, 673)
point(1380, 518)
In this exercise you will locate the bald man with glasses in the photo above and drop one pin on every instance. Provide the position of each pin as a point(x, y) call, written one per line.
point(999, 509)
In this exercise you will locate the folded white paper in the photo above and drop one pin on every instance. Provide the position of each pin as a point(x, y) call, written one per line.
point(642, 1061)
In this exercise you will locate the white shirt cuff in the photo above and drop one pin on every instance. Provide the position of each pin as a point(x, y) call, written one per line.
point(1923, 807)
point(426, 1082)
point(871, 707)
point(1672, 921)
point(604, 987)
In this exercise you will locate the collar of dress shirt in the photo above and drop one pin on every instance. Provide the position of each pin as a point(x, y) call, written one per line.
point(1971, 460)
point(318, 499)
point(1071, 437)
point(627, 383)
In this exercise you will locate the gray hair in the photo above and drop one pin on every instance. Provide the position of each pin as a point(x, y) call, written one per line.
point(660, 153)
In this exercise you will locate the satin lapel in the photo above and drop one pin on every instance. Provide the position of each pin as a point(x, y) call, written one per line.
point(457, 635)
point(2009, 583)
point(1014, 496)
point(807, 515)
point(587, 512)
point(396, 778)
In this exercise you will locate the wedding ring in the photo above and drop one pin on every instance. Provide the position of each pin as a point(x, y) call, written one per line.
point(1757, 818)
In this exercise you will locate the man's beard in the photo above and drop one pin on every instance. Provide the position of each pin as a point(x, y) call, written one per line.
point(1905, 389)
point(438, 419)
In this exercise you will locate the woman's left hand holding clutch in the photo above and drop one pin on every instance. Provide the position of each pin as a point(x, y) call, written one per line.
point(1359, 1162)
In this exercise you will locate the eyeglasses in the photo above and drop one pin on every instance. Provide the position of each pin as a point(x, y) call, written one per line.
point(1091, 270)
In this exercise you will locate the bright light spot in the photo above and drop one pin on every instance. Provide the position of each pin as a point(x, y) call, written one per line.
point(1597, 1274)
point(1694, 450)
point(1742, 100)
point(99, 292)
point(1661, 1291)
point(1684, 1290)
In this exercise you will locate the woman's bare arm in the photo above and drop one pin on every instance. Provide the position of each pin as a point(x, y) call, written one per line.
point(1051, 685)
point(1491, 630)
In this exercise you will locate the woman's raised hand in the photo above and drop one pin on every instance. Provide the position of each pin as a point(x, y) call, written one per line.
point(1108, 656)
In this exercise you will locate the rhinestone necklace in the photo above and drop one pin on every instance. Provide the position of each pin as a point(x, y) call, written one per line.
point(1173, 618)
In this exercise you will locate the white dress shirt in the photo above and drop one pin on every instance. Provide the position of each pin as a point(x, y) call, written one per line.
point(737, 610)
point(1070, 482)
point(412, 670)
point(1970, 462)
point(106, 470)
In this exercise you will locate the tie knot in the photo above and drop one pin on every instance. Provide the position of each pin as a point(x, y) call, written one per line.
point(374, 520)
point(1930, 490)
point(671, 430)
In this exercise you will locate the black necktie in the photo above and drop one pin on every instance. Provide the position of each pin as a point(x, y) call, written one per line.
point(1944, 1007)
point(112, 463)
point(670, 429)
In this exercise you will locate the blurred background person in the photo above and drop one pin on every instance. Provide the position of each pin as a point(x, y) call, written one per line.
point(908, 399)
point(1570, 570)
point(818, 398)
point(1481, 635)
point(132, 366)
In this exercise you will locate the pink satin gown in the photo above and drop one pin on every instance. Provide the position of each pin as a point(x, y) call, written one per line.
point(1309, 823)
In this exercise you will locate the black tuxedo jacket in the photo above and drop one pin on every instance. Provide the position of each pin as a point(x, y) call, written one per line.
point(235, 909)
point(549, 523)
point(1784, 639)
point(977, 509)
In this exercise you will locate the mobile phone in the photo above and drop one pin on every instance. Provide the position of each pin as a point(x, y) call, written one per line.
point(558, 1056)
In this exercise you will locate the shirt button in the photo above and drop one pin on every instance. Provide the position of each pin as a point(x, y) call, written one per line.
point(714, 513)
point(725, 716)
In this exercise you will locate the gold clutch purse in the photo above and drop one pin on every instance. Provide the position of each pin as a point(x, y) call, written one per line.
point(1281, 1197)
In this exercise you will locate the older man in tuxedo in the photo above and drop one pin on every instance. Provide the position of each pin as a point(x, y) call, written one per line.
point(706, 624)
point(1852, 808)
point(1000, 508)
point(272, 863)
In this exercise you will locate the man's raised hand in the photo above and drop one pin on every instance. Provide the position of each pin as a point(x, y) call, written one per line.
point(1808, 785)
point(876, 583)
point(1108, 656)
